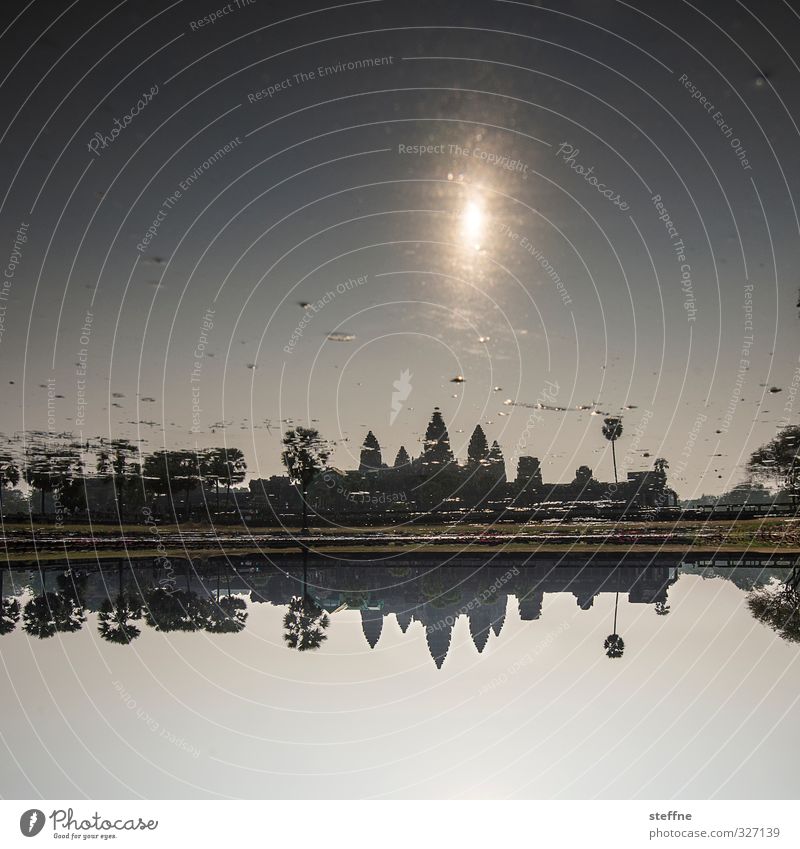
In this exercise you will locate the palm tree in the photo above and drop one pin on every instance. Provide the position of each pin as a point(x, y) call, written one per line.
point(614, 644)
point(114, 466)
point(612, 430)
point(305, 454)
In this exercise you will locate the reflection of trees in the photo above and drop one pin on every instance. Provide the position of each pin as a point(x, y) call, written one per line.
point(228, 615)
point(174, 610)
point(305, 622)
point(52, 613)
point(9, 610)
point(61, 612)
point(778, 605)
point(117, 617)
point(662, 608)
point(614, 644)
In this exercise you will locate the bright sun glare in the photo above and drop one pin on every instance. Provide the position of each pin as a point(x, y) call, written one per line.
point(472, 223)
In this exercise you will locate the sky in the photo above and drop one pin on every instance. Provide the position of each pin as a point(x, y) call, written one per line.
point(588, 201)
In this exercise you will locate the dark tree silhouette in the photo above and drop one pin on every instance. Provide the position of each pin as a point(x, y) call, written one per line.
point(227, 615)
point(173, 470)
point(612, 430)
point(223, 466)
point(402, 460)
point(116, 618)
point(614, 644)
point(9, 475)
point(305, 622)
point(9, 609)
point(778, 606)
point(115, 464)
point(168, 610)
point(51, 469)
point(51, 613)
point(305, 454)
point(779, 460)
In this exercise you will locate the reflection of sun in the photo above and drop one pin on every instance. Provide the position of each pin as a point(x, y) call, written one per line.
point(473, 220)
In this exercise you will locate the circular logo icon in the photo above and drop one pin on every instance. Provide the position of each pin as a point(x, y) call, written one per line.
point(31, 822)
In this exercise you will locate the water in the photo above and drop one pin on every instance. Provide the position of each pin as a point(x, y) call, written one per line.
point(464, 680)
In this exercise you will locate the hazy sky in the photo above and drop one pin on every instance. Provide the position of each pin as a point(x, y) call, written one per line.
point(696, 708)
point(527, 221)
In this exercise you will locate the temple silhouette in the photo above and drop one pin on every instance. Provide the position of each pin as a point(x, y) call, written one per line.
point(435, 482)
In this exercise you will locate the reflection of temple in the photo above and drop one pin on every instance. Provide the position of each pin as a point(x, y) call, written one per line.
point(437, 598)
point(417, 589)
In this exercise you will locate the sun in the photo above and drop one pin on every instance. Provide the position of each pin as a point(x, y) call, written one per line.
point(473, 222)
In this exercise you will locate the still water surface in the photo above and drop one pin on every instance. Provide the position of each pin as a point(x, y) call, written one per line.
point(575, 679)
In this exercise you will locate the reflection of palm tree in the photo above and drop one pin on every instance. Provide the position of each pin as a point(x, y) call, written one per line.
point(52, 613)
point(227, 616)
point(116, 619)
point(174, 610)
point(305, 621)
point(9, 615)
point(614, 644)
